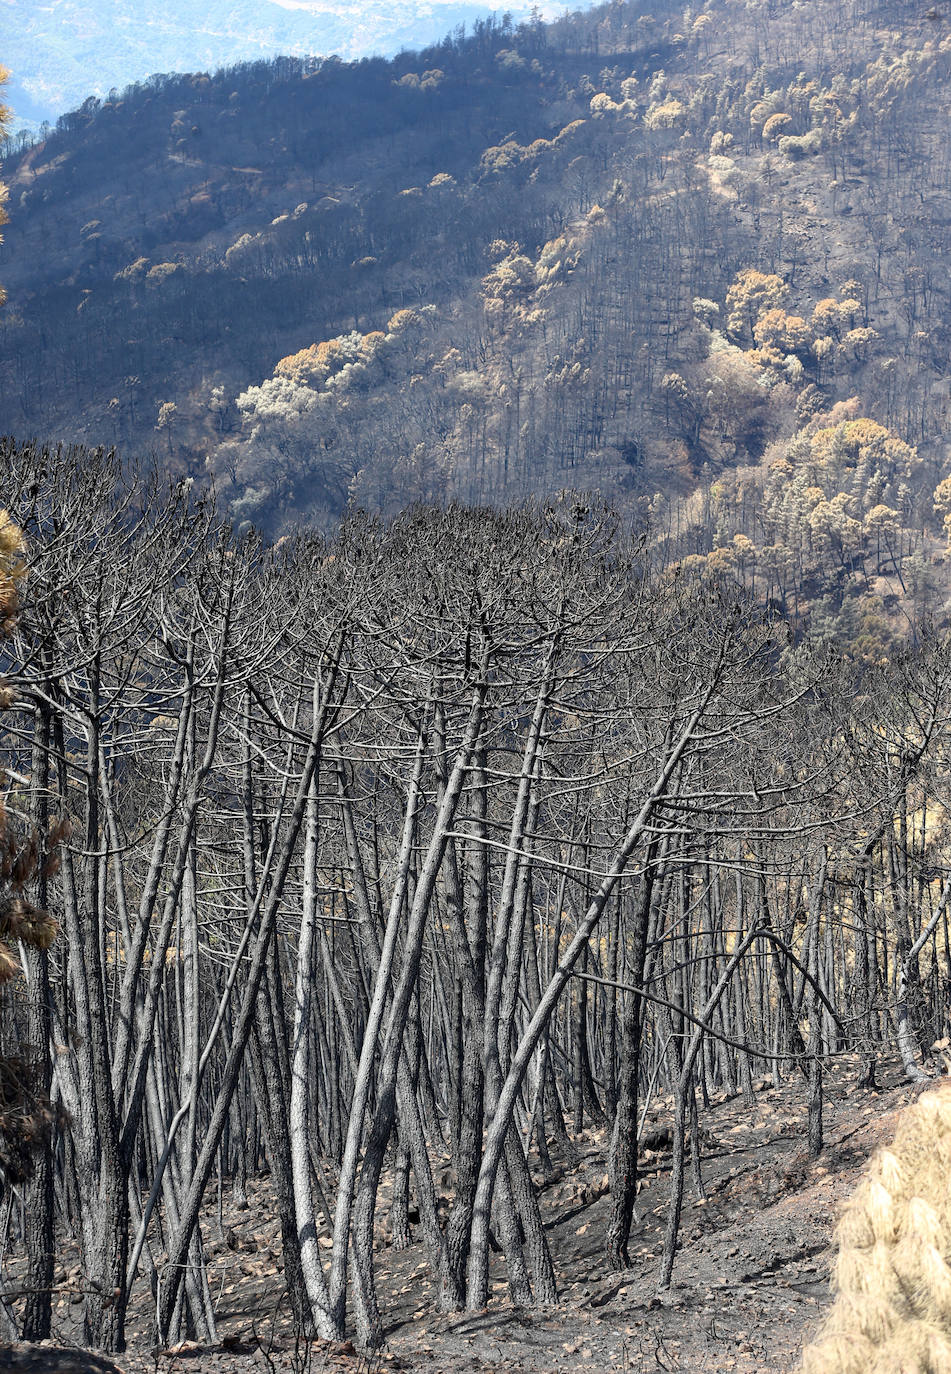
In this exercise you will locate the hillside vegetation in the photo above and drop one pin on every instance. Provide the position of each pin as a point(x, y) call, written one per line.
point(692, 260)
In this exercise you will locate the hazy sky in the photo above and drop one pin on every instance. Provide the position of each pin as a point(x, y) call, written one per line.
point(61, 51)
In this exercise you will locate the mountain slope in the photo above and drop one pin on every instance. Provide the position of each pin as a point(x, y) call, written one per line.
point(158, 272)
point(702, 271)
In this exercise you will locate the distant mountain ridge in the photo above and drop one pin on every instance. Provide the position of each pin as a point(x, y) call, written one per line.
point(63, 51)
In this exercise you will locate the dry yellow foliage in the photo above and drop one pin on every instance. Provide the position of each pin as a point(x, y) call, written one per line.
point(12, 569)
point(892, 1313)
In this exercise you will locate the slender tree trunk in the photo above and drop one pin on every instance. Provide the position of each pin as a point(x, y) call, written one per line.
point(815, 1018)
point(40, 1246)
point(623, 1158)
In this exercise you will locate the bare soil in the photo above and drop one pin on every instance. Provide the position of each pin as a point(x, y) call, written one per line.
point(750, 1284)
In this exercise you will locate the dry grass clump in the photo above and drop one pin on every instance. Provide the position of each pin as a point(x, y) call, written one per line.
point(892, 1313)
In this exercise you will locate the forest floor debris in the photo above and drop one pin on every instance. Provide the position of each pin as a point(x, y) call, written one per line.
point(751, 1279)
